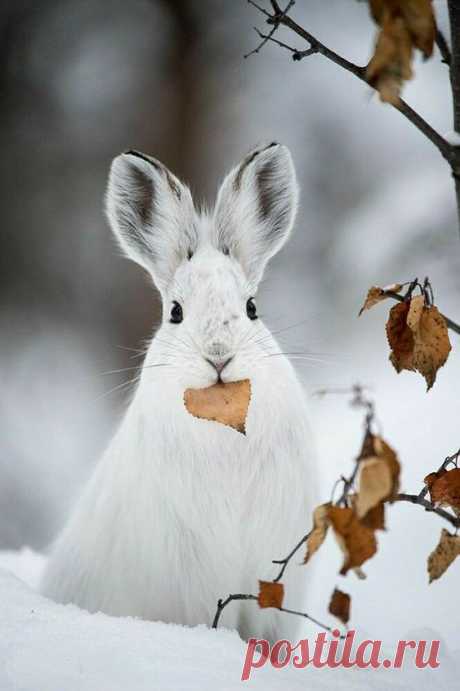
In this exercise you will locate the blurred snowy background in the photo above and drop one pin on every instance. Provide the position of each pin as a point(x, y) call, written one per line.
point(81, 82)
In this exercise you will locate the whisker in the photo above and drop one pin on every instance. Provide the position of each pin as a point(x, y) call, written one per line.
point(300, 357)
point(138, 353)
point(269, 335)
point(117, 388)
point(158, 364)
point(118, 371)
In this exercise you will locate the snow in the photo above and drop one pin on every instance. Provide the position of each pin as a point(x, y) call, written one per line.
point(44, 645)
point(25, 563)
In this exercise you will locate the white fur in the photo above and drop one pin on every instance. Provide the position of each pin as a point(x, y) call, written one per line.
point(182, 511)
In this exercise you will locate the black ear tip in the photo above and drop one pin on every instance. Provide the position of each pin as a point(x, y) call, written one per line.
point(137, 154)
point(143, 157)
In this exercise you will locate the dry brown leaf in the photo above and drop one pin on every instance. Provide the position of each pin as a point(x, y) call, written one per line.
point(339, 605)
point(446, 551)
point(444, 488)
point(376, 295)
point(373, 297)
point(400, 337)
point(431, 478)
point(384, 450)
point(224, 403)
point(405, 24)
point(375, 517)
point(270, 594)
point(416, 306)
point(375, 484)
point(391, 62)
point(420, 20)
point(432, 344)
point(356, 541)
point(319, 531)
point(378, 482)
point(418, 338)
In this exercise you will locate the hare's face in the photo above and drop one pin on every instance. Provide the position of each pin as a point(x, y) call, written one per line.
point(210, 321)
point(207, 267)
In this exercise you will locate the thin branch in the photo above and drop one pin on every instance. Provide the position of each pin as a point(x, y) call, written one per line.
point(443, 47)
point(296, 54)
point(287, 559)
point(269, 36)
point(428, 506)
point(280, 17)
point(312, 619)
point(222, 604)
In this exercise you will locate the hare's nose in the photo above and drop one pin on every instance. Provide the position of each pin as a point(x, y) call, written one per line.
point(219, 365)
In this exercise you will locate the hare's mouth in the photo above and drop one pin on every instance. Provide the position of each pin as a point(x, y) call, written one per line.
point(219, 366)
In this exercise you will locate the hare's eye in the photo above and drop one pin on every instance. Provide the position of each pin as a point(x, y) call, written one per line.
point(251, 309)
point(176, 313)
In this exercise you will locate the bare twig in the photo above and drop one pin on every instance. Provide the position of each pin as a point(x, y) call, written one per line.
point(284, 562)
point(312, 619)
point(296, 54)
point(428, 506)
point(222, 604)
point(280, 17)
point(269, 36)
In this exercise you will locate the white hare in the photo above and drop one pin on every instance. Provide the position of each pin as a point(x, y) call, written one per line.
point(182, 511)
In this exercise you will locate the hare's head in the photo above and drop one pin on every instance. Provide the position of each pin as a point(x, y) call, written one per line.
point(207, 266)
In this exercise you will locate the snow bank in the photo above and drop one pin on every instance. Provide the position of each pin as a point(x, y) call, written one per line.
point(25, 563)
point(62, 648)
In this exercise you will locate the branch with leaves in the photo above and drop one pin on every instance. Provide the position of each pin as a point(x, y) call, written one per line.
point(416, 330)
point(403, 28)
point(359, 512)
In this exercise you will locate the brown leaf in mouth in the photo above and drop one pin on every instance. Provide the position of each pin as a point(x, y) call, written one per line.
point(226, 403)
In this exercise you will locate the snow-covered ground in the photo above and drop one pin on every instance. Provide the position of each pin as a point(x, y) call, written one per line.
point(50, 647)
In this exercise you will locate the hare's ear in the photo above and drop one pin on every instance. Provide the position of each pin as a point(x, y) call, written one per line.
point(256, 208)
point(151, 214)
